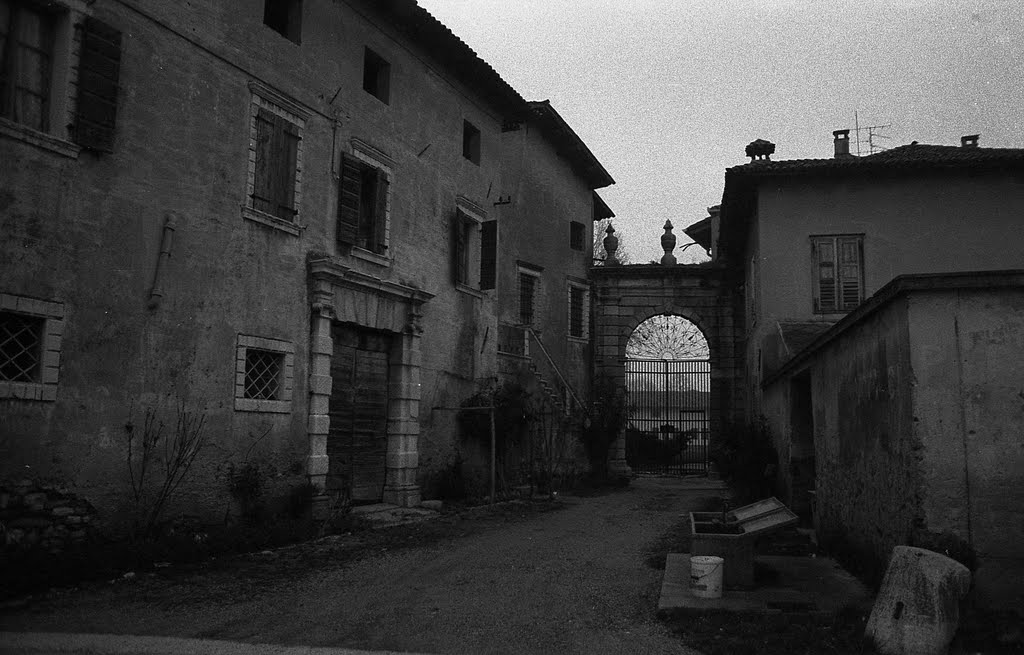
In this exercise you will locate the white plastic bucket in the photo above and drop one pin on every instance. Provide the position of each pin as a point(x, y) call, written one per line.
point(706, 576)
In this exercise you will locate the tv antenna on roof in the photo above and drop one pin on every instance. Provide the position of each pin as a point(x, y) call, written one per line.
point(867, 136)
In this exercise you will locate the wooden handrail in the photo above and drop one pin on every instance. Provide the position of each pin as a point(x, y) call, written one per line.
point(554, 366)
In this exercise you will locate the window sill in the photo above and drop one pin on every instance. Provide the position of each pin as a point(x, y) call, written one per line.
point(573, 339)
point(468, 290)
point(270, 220)
point(28, 391)
point(42, 140)
point(370, 256)
point(269, 406)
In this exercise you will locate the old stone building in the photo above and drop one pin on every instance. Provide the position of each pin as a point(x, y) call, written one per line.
point(302, 222)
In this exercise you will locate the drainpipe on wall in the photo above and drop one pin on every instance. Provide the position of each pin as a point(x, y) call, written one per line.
point(166, 242)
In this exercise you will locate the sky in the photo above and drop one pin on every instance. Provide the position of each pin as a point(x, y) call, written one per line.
point(667, 93)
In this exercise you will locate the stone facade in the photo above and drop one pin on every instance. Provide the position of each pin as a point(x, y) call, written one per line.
point(185, 260)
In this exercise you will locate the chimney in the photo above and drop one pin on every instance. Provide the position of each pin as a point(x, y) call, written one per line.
point(842, 142)
point(969, 141)
point(760, 150)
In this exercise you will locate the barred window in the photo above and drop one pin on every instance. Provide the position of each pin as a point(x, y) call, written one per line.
point(527, 297)
point(263, 374)
point(21, 347)
point(578, 311)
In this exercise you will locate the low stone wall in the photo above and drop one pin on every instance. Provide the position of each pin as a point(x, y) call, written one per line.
point(41, 517)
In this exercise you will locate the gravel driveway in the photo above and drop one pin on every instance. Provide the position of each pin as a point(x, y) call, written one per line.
point(580, 579)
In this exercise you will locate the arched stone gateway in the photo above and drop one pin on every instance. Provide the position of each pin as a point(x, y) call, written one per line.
point(708, 295)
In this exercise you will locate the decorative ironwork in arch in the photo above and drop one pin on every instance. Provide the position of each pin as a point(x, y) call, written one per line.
point(667, 337)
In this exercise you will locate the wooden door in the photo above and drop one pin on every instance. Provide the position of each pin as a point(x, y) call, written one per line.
point(357, 441)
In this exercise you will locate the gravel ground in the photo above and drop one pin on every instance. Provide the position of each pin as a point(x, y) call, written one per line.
point(577, 578)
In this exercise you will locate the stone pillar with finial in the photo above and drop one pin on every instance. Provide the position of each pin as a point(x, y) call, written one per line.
point(611, 244)
point(668, 243)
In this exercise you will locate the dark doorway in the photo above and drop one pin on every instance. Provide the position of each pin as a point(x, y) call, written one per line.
point(357, 441)
point(801, 460)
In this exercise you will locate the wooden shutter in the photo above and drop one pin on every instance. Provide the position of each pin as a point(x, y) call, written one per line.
point(459, 248)
point(380, 212)
point(99, 68)
point(850, 278)
point(825, 274)
point(349, 193)
point(286, 152)
point(488, 254)
point(263, 176)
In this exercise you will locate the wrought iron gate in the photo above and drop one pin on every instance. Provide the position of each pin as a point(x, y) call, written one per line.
point(669, 411)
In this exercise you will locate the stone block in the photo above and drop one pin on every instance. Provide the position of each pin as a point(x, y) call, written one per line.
point(918, 606)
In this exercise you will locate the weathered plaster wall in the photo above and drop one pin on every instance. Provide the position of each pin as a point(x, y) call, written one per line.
point(866, 452)
point(86, 232)
point(906, 221)
point(546, 196)
point(969, 408)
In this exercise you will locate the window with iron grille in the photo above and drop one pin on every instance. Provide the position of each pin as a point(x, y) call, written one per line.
point(577, 235)
point(838, 272)
point(21, 347)
point(527, 297)
point(263, 374)
point(578, 311)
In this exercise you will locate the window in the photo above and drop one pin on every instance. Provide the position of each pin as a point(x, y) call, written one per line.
point(838, 272)
point(30, 341)
point(26, 48)
point(284, 17)
point(577, 235)
point(363, 205)
point(579, 311)
point(470, 142)
point(263, 370)
point(488, 254)
point(21, 347)
point(44, 98)
point(529, 290)
point(376, 76)
point(264, 374)
point(463, 228)
point(274, 187)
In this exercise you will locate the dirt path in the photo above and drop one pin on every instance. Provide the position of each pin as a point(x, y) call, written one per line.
point(576, 580)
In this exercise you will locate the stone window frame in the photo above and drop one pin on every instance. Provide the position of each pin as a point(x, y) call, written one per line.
point(580, 285)
point(285, 348)
point(52, 313)
point(264, 97)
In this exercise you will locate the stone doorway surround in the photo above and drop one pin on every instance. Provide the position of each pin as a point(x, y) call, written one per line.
point(343, 294)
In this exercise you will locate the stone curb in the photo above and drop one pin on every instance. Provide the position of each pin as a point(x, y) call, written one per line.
point(55, 643)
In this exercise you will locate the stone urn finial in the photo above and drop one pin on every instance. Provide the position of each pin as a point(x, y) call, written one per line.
point(668, 243)
point(611, 244)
